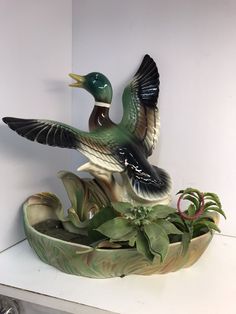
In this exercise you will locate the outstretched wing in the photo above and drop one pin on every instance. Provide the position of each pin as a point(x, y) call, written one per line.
point(140, 116)
point(108, 148)
point(98, 145)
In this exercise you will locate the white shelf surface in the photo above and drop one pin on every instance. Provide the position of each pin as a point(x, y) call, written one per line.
point(208, 287)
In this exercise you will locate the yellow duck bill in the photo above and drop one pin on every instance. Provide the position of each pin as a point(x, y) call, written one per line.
point(79, 80)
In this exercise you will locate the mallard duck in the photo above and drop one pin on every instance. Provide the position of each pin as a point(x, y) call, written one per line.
point(122, 148)
point(100, 87)
point(139, 116)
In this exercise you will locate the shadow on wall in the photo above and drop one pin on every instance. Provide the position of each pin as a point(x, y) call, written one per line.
point(26, 168)
point(15, 147)
point(34, 166)
point(60, 91)
point(57, 87)
point(38, 163)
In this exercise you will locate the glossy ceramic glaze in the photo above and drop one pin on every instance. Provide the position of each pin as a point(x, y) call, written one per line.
point(86, 261)
point(118, 161)
point(122, 148)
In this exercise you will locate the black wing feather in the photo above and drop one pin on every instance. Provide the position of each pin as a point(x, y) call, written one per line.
point(43, 131)
point(95, 145)
point(148, 82)
point(141, 117)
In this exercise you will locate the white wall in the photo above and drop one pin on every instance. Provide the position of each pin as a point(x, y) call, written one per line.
point(35, 58)
point(194, 45)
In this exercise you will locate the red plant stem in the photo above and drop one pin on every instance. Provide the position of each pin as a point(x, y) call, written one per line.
point(198, 212)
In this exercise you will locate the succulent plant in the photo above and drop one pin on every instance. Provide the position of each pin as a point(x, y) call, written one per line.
point(151, 229)
point(197, 218)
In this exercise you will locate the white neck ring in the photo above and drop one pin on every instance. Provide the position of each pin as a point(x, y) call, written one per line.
point(102, 104)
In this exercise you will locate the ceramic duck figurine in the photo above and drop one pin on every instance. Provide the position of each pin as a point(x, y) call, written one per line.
point(100, 118)
point(121, 148)
point(141, 117)
point(100, 87)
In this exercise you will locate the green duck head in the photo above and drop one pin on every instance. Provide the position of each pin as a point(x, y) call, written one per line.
point(96, 84)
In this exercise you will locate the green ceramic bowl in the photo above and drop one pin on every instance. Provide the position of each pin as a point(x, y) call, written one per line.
point(86, 261)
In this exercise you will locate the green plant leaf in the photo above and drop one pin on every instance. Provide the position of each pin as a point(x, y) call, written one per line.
point(154, 230)
point(216, 209)
point(176, 218)
point(214, 204)
point(127, 237)
point(209, 204)
point(192, 195)
point(191, 210)
point(186, 238)
point(158, 239)
point(142, 246)
point(105, 214)
point(121, 207)
point(191, 191)
point(115, 228)
point(159, 246)
point(160, 211)
point(133, 239)
point(199, 230)
point(212, 196)
point(192, 199)
point(168, 226)
point(95, 236)
point(178, 222)
point(209, 224)
point(204, 216)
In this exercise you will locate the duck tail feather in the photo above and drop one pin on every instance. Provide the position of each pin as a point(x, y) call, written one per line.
point(148, 187)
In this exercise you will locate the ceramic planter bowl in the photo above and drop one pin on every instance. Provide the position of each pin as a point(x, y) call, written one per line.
point(86, 261)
